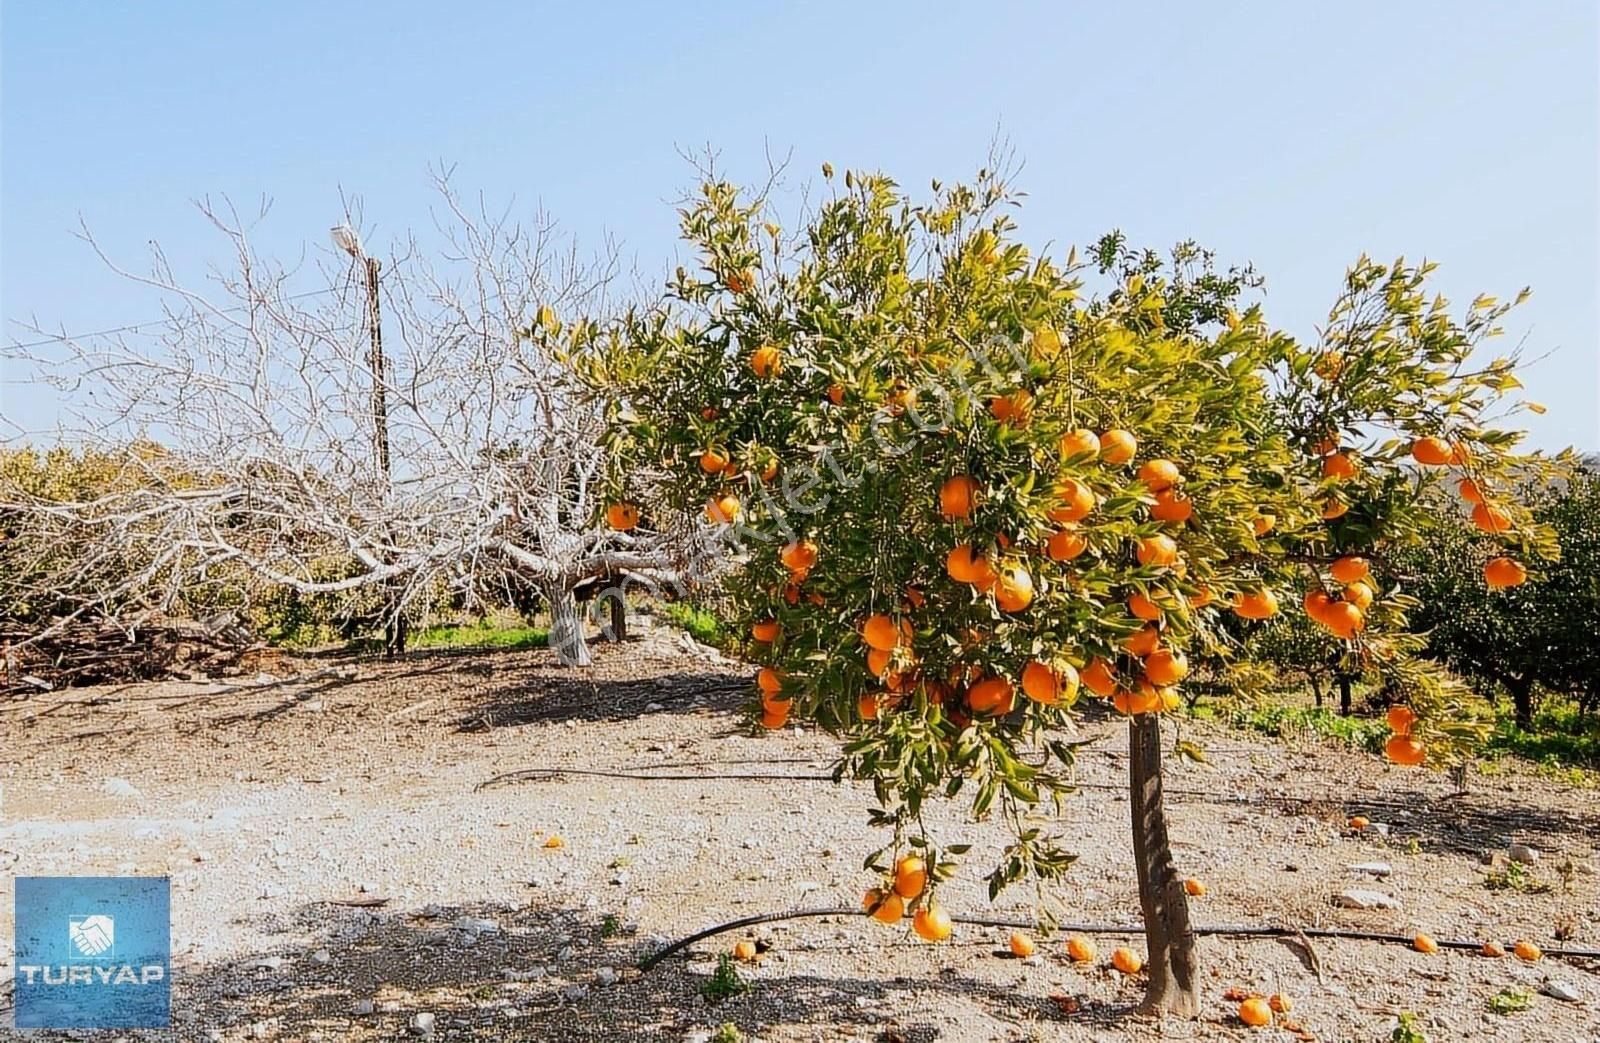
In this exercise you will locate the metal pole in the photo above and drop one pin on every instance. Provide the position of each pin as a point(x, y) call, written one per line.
point(380, 400)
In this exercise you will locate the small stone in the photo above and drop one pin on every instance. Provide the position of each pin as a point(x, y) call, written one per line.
point(389, 1007)
point(270, 963)
point(1359, 898)
point(653, 707)
point(620, 879)
point(750, 843)
point(421, 1024)
point(605, 975)
point(1372, 868)
point(321, 956)
point(122, 788)
point(361, 1007)
point(574, 993)
point(1524, 853)
point(565, 954)
point(1562, 990)
point(1380, 828)
point(472, 925)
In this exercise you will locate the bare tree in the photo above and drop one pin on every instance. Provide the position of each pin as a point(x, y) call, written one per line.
point(262, 401)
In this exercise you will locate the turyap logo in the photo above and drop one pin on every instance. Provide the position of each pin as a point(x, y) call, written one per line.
point(93, 952)
point(94, 937)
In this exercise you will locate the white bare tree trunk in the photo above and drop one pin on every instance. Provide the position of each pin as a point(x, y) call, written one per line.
point(566, 627)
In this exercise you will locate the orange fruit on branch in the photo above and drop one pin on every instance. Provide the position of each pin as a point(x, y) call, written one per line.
point(1117, 446)
point(1065, 544)
point(1350, 569)
point(1400, 719)
point(1077, 500)
point(992, 695)
point(1338, 466)
point(1013, 409)
point(775, 718)
point(1049, 685)
point(714, 461)
point(1317, 602)
point(1097, 677)
point(1159, 475)
point(1469, 490)
point(766, 361)
point(1157, 551)
point(958, 496)
point(1344, 619)
point(1172, 507)
point(766, 630)
point(1262, 524)
point(1334, 509)
point(1143, 608)
point(879, 632)
point(1489, 518)
point(1013, 589)
point(1360, 595)
point(769, 681)
point(1405, 751)
point(622, 516)
point(932, 923)
point(1165, 667)
point(1143, 641)
point(884, 906)
point(1432, 452)
point(1255, 604)
point(1080, 443)
point(867, 707)
point(723, 510)
point(1503, 572)
point(910, 876)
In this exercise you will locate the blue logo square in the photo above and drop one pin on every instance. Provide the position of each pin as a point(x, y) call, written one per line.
point(93, 952)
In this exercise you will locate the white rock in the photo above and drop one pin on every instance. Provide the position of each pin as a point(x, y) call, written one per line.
point(1562, 990)
point(115, 787)
point(574, 993)
point(1372, 868)
point(605, 975)
point(421, 1024)
point(270, 963)
point(361, 1007)
point(1360, 898)
point(321, 956)
point(1524, 853)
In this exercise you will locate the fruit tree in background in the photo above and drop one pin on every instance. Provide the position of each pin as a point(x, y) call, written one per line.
point(963, 495)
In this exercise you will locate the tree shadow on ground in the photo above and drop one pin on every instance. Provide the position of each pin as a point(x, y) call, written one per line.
point(542, 972)
point(552, 696)
point(1475, 823)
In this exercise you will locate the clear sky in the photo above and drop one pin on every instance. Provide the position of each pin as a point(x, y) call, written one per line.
point(1291, 135)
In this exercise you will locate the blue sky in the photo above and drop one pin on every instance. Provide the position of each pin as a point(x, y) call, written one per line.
point(1294, 136)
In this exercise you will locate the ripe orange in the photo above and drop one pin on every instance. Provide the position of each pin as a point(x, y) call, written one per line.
point(867, 707)
point(1194, 887)
point(1358, 822)
point(1350, 569)
point(1081, 949)
point(799, 556)
point(1172, 507)
point(1503, 572)
point(1400, 718)
point(1142, 607)
point(1065, 544)
point(1490, 518)
point(1255, 604)
point(739, 281)
point(714, 461)
point(1080, 443)
point(1202, 597)
point(1339, 465)
point(1334, 508)
point(1432, 452)
point(1492, 949)
point(770, 471)
point(1159, 475)
point(1255, 1012)
point(765, 630)
point(1157, 550)
point(1280, 1003)
point(957, 497)
point(1143, 641)
point(910, 876)
point(992, 695)
point(744, 950)
point(1344, 619)
point(1423, 943)
point(1126, 960)
point(1262, 524)
point(708, 413)
point(1405, 751)
point(1098, 679)
point(1359, 594)
point(877, 661)
point(622, 516)
point(1021, 945)
point(1145, 698)
point(772, 719)
point(1317, 602)
point(1117, 446)
point(766, 361)
point(1013, 409)
point(884, 906)
point(769, 681)
point(1328, 445)
point(1527, 951)
point(880, 632)
point(1013, 589)
point(554, 841)
point(962, 563)
point(1164, 667)
point(791, 593)
point(723, 510)
point(836, 394)
point(1469, 490)
point(1077, 500)
point(1047, 685)
point(932, 923)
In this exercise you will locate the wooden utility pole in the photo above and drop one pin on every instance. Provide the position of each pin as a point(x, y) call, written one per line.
point(380, 400)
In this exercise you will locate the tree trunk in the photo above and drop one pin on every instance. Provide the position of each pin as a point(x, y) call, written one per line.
point(566, 627)
point(1344, 695)
point(619, 617)
point(1522, 702)
point(1173, 969)
point(395, 634)
point(1316, 688)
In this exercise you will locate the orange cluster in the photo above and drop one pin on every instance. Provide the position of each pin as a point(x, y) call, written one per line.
point(907, 888)
point(1345, 613)
point(1403, 748)
point(1499, 572)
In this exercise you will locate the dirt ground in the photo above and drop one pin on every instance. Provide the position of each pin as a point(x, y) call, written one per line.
point(337, 869)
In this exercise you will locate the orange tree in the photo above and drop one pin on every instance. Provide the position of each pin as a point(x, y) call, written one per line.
point(959, 491)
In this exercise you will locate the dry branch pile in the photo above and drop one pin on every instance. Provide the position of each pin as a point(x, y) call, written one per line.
point(87, 652)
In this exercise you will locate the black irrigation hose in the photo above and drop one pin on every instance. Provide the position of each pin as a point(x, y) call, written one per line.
point(651, 961)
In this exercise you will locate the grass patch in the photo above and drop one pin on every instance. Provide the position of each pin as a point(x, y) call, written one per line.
point(1325, 725)
point(698, 623)
point(1560, 737)
point(724, 982)
point(489, 633)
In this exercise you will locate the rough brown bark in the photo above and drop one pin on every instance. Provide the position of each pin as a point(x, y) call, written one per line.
point(1172, 966)
point(1344, 695)
point(619, 618)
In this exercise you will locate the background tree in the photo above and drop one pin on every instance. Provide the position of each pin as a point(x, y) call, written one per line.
point(261, 398)
point(945, 476)
point(1536, 636)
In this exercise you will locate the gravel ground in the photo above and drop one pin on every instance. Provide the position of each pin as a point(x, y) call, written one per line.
point(337, 872)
